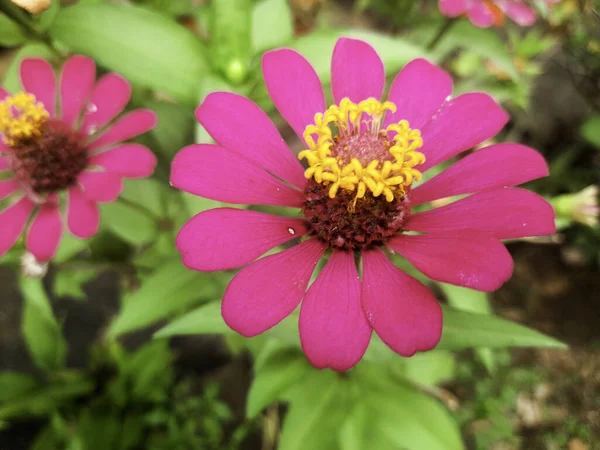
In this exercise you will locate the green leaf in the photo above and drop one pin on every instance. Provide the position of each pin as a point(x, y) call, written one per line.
point(590, 130)
point(14, 385)
point(278, 372)
point(69, 247)
point(360, 432)
point(11, 34)
point(175, 128)
point(45, 19)
point(143, 46)
point(12, 79)
point(69, 283)
point(131, 224)
point(406, 416)
point(481, 41)
point(470, 330)
point(272, 24)
point(318, 49)
point(39, 327)
point(318, 407)
point(169, 290)
point(428, 368)
point(205, 319)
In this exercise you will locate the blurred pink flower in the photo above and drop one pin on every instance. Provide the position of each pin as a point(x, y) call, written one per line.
point(356, 198)
point(59, 159)
point(486, 13)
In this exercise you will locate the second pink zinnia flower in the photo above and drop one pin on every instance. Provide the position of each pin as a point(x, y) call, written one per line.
point(355, 197)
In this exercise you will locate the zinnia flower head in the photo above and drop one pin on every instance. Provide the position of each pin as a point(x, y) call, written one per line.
point(487, 13)
point(58, 160)
point(355, 197)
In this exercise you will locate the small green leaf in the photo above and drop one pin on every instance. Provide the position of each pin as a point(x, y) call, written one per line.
point(205, 319)
point(12, 79)
point(69, 247)
point(470, 330)
point(590, 130)
point(128, 222)
point(70, 283)
point(169, 290)
point(39, 327)
point(45, 19)
point(175, 128)
point(428, 368)
point(277, 373)
point(272, 24)
point(11, 34)
point(143, 46)
point(14, 385)
point(318, 407)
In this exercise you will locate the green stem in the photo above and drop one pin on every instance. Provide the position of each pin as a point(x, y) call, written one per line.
point(446, 25)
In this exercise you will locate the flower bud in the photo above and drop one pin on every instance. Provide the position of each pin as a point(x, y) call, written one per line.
point(581, 207)
point(33, 6)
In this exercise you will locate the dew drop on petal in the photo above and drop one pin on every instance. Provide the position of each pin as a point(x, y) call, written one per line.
point(91, 108)
point(291, 231)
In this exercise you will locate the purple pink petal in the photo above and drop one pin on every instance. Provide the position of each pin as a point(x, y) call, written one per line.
point(7, 187)
point(13, 220)
point(129, 126)
point(76, 85)
point(264, 293)
point(83, 216)
point(38, 78)
point(127, 160)
point(102, 187)
point(202, 169)
point(464, 258)
point(45, 232)
point(505, 213)
point(227, 238)
point(110, 96)
point(401, 310)
point(334, 331)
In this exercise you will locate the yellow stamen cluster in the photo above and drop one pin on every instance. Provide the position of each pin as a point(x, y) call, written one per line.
point(21, 117)
point(390, 178)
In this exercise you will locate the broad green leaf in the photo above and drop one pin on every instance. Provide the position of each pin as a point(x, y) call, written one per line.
point(12, 79)
point(360, 431)
point(272, 24)
point(10, 33)
point(143, 46)
point(131, 224)
point(69, 283)
point(69, 247)
point(169, 290)
point(149, 193)
point(428, 368)
point(470, 330)
point(45, 19)
point(205, 319)
point(473, 301)
point(590, 130)
point(175, 128)
point(409, 418)
point(318, 407)
point(482, 41)
point(39, 327)
point(318, 49)
point(276, 374)
point(14, 385)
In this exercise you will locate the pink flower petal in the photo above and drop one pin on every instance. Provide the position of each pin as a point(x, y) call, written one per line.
point(3, 93)
point(521, 14)
point(220, 174)
point(8, 187)
point(76, 85)
point(127, 127)
point(268, 290)
point(453, 8)
point(461, 124)
point(239, 125)
point(4, 163)
point(481, 15)
point(83, 216)
point(506, 213)
point(418, 91)
point(127, 160)
point(464, 258)
point(333, 328)
point(101, 187)
point(38, 78)
point(45, 233)
point(401, 310)
point(111, 95)
point(297, 94)
point(497, 166)
point(228, 238)
point(356, 71)
point(12, 222)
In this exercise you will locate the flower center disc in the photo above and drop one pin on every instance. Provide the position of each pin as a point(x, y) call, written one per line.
point(359, 175)
point(51, 161)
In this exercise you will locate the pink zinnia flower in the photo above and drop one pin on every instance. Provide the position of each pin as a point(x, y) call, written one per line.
point(485, 13)
point(59, 159)
point(355, 199)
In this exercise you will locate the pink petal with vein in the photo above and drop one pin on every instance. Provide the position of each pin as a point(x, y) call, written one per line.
point(505, 213)
point(76, 86)
point(268, 290)
point(83, 216)
point(220, 174)
point(497, 166)
point(111, 95)
point(127, 127)
point(401, 310)
point(45, 232)
point(464, 258)
point(12, 222)
point(101, 187)
point(334, 331)
point(38, 78)
point(127, 160)
point(8, 187)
